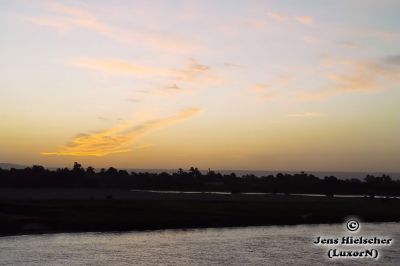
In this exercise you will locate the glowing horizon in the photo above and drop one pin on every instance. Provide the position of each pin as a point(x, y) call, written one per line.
point(261, 85)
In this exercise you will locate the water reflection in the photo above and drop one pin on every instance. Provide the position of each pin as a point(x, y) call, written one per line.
point(267, 245)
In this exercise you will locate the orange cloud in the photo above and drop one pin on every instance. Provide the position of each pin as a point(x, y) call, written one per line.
point(119, 138)
point(259, 87)
point(305, 20)
point(280, 17)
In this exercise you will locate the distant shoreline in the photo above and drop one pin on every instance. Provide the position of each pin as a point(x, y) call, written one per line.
point(240, 172)
point(152, 211)
point(174, 228)
point(194, 180)
point(140, 194)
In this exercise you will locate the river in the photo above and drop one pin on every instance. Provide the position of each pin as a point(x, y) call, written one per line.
point(263, 245)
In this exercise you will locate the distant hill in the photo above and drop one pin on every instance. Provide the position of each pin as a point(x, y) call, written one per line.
point(11, 165)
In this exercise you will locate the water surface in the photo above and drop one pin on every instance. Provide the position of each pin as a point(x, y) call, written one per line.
point(266, 245)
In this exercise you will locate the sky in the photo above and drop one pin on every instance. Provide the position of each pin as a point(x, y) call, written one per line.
point(252, 85)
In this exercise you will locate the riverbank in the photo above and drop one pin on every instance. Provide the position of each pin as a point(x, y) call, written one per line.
point(107, 210)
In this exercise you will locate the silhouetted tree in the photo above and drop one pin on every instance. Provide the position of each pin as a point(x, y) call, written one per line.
point(77, 167)
point(90, 170)
point(38, 176)
point(194, 171)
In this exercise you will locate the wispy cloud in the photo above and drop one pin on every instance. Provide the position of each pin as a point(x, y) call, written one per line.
point(360, 76)
point(312, 40)
point(133, 100)
point(118, 67)
point(119, 138)
point(168, 90)
point(281, 17)
point(274, 88)
point(174, 87)
point(192, 71)
point(306, 114)
point(262, 91)
point(382, 34)
point(232, 65)
point(350, 44)
point(305, 19)
point(277, 16)
point(56, 24)
point(259, 87)
point(65, 18)
point(122, 67)
point(259, 24)
point(393, 59)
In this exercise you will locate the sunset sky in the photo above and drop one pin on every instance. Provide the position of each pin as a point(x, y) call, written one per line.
point(261, 85)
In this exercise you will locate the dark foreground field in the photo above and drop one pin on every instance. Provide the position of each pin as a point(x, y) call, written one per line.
point(142, 211)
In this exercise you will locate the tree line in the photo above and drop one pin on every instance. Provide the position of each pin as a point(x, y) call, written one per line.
point(194, 180)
